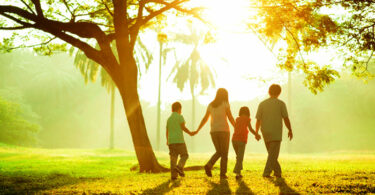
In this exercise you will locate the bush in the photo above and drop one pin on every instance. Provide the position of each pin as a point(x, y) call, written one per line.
point(15, 127)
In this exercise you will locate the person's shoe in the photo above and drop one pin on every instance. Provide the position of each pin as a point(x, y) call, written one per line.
point(180, 171)
point(238, 177)
point(267, 176)
point(223, 177)
point(174, 178)
point(278, 176)
point(208, 171)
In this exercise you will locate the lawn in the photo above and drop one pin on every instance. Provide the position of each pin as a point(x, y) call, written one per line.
point(76, 171)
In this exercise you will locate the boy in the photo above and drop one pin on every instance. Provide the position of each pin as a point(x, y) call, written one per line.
point(175, 141)
point(269, 117)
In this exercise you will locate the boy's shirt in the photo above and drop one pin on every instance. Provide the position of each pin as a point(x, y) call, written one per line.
point(271, 113)
point(175, 134)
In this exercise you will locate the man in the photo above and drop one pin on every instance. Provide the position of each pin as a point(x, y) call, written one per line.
point(271, 112)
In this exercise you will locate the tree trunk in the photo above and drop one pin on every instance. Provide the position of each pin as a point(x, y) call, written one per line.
point(159, 101)
point(126, 80)
point(192, 118)
point(112, 119)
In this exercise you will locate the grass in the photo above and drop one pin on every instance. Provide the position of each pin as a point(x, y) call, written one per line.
point(73, 171)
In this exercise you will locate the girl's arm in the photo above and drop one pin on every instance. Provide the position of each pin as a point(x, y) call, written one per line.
point(203, 122)
point(251, 129)
point(230, 117)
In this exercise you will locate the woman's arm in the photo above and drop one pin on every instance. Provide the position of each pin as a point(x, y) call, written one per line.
point(230, 117)
point(203, 122)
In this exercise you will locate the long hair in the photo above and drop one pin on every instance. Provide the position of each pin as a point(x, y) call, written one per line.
point(244, 111)
point(221, 96)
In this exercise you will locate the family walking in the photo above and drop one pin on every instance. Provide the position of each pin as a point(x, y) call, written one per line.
point(270, 114)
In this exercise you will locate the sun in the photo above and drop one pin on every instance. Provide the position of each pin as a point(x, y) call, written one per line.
point(242, 64)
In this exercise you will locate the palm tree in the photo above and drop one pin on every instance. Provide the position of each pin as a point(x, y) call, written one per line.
point(193, 69)
point(90, 71)
point(163, 52)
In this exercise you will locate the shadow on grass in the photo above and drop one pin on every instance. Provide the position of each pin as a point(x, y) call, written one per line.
point(219, 188)
point(163, 188)
point(32, 184)
point(284, 188)
point(243, 188)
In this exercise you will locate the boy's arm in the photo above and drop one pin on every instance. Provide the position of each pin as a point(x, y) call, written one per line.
point(287, 124)
point(184, 128)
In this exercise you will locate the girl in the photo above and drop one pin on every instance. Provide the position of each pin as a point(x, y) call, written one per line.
point(239, 139)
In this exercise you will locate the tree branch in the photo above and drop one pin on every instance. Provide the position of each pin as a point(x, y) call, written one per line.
point(15, 28)
point(107, 8)
point(38, 8)
point(28, 7)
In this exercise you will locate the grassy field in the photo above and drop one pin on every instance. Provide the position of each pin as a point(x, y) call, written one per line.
point(45, 171)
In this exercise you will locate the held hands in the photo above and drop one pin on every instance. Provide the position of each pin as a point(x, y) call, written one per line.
point(257, 137)
point(192, 133)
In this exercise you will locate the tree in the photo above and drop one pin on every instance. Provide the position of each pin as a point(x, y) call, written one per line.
point(308, 26)
point(77, 23)
point(193, 69)
point(91, 70)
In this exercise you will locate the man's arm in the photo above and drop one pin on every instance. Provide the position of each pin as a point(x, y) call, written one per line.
point(184, 128)
point(287, 124)
point(167, 135)
point(257, 125)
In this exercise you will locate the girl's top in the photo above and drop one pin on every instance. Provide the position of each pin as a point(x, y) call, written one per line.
point(219, 117)
point(240, 129)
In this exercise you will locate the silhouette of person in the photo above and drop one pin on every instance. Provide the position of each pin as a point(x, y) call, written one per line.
point(219, 110)
point(269, 117)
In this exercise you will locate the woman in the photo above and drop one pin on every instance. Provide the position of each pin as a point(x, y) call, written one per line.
point(219, 110)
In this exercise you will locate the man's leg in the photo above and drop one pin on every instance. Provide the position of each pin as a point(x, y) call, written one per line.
point(267, 169)
point(277, 168)
point(173, 160)
point(273, 149)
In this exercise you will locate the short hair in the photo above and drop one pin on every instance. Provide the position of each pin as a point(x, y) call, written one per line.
point(176, 106)
point(244, 111)
point(274, 90)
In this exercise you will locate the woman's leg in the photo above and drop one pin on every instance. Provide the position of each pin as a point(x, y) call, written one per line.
point(216, 156)
point(223, 148)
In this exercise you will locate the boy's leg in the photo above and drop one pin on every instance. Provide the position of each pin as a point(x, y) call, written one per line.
point(173, 159)
point(182, 150)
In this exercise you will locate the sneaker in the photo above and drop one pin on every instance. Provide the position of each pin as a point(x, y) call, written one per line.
point(180, 171)
point(223, 177)
point(239, 177)
point(208, 171)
